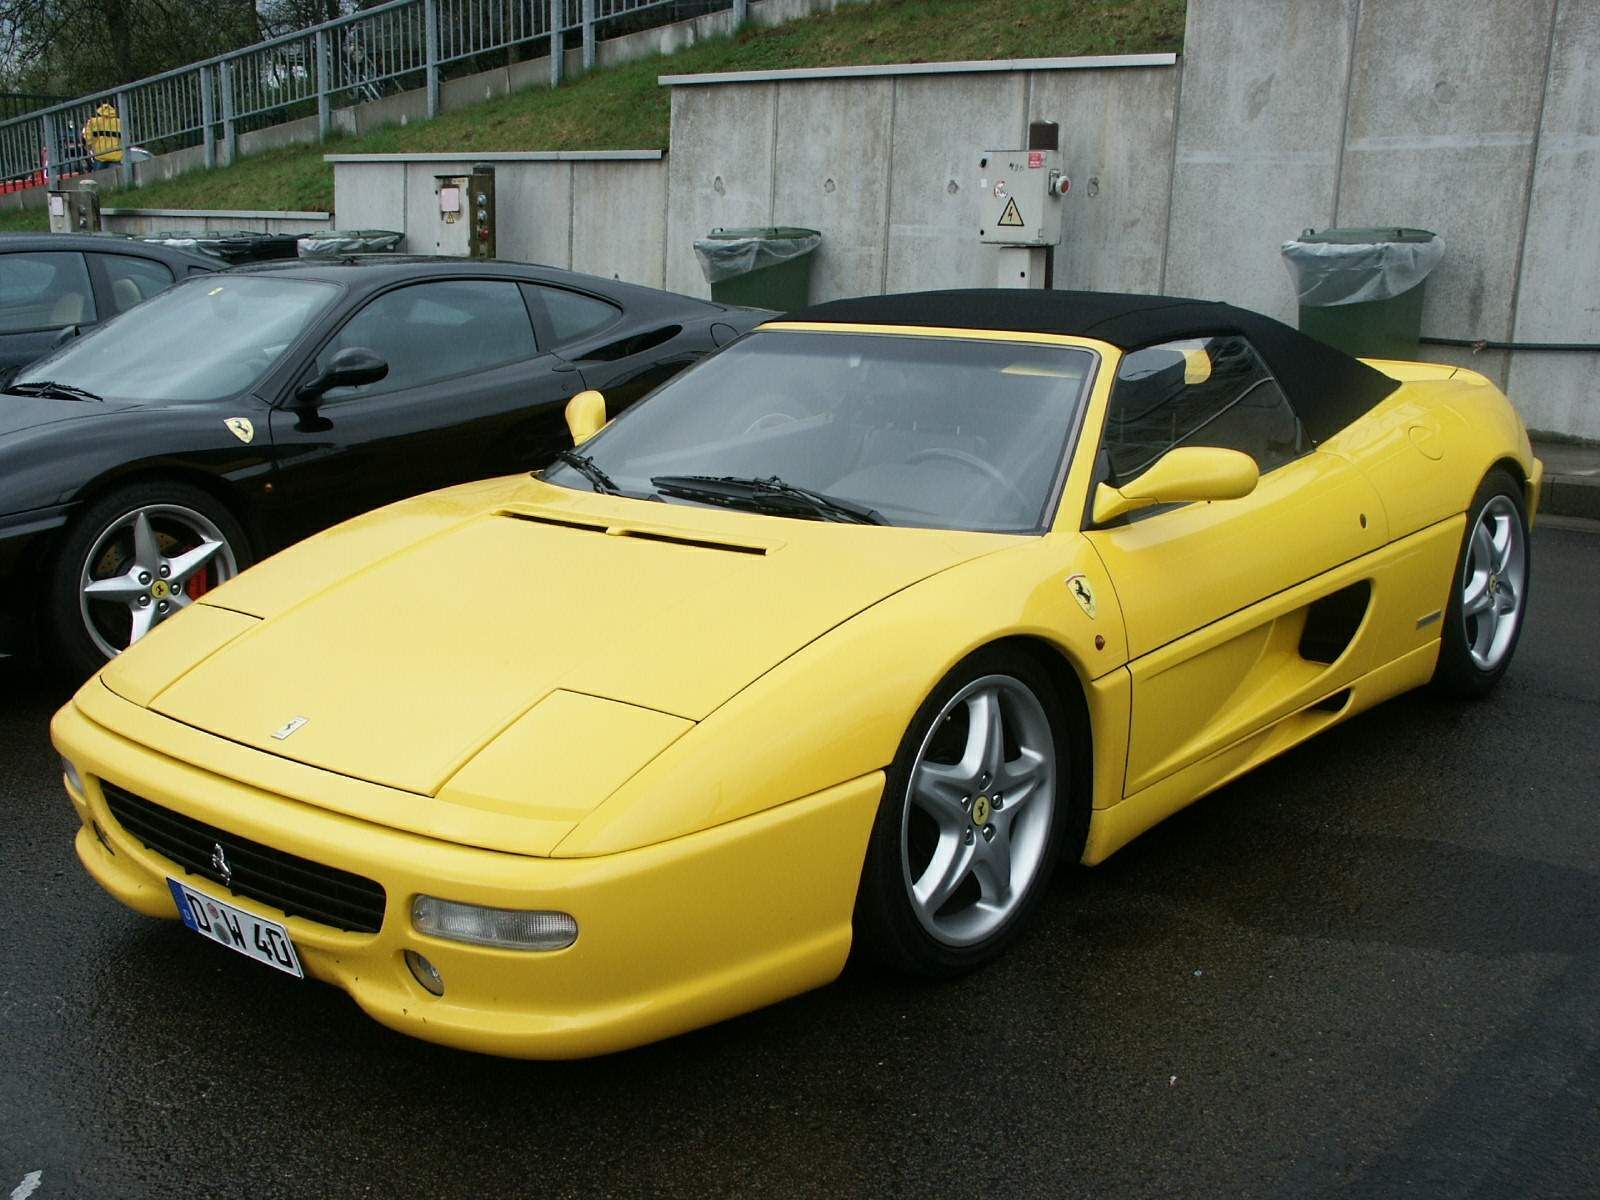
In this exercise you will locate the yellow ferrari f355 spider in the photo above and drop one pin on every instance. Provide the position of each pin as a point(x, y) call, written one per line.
point(842, 639)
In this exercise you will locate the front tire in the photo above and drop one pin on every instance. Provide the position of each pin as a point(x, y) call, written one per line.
point(975, 809)
point(1488, 593)
point(135, 557)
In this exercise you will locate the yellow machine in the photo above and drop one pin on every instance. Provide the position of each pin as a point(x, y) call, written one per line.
point(840, 639)
point(102, 135)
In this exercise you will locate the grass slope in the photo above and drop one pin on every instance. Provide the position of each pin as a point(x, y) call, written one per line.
point(623, 108)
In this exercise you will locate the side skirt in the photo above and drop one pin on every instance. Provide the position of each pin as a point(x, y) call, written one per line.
point(1110, 829)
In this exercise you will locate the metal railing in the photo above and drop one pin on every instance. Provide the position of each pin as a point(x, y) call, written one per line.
point(398, 46)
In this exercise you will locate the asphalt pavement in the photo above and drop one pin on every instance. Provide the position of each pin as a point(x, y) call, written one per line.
point(1371, 969)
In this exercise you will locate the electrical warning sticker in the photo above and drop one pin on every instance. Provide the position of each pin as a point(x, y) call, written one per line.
point(1011, 218)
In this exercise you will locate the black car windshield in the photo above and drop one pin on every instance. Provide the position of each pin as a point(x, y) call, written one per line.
point(205, 339)
point(941, 432)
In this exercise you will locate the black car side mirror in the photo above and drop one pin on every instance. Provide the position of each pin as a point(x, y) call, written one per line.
point(350, 367)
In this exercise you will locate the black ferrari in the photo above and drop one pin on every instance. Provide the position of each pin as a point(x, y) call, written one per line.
point(235, 413)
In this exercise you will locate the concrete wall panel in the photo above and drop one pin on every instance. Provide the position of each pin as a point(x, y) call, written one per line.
point(455, 94)
point(1556, 393)
point(1258, 143)
point(719, 171)
point(534, 204)
point(370, 196)
point(833, 141)
point(619, 220)
point(1116, 148)
point(1442, 120)
point(940, 125)
point(1559, 296)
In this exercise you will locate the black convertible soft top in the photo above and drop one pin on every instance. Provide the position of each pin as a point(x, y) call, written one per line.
point(1327, 387)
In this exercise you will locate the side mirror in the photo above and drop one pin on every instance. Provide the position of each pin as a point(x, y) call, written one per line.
point(586, 415)
point(65, 336)
point(1184, 475)
point(351, 367)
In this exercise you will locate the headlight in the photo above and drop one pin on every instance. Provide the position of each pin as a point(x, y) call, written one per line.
point(507, 928)
point(70, 773)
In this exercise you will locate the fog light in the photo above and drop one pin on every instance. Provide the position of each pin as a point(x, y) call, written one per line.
point(507, 928)
point(70, 773)
point(425, 972)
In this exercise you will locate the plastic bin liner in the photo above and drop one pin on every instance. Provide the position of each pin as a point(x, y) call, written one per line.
point(230, 245)
point(1327, 273)
point(336, 243)
point(727, 257)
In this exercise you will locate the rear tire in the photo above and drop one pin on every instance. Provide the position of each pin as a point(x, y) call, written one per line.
point(1488, 592)
point(976, 806)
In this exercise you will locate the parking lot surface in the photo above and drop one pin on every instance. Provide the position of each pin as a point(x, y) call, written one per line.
point(1371, 968)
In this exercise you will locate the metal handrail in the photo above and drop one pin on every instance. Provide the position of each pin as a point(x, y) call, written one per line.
point(360, 56)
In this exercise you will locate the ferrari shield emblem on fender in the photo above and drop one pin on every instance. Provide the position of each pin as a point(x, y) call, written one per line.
point(241, 428)
point(1078, 585)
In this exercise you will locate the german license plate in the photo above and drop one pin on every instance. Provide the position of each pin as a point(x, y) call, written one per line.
point(242, 932)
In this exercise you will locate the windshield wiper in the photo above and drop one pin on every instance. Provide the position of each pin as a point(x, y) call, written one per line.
point(587, 467)
point(770, 495)
point(49, 387)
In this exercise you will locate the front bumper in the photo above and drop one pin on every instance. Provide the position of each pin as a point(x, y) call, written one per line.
point(671, 937)
point(24, 539)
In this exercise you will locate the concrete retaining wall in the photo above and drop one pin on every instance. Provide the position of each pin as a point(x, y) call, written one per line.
point(1480, 121)
point(171, 220)
point(603, 212)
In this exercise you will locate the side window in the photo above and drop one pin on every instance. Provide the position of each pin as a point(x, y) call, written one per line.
point(1202, 392)
point(428, 332)
point(134, 280)
point(44, 290)
point(572, 314)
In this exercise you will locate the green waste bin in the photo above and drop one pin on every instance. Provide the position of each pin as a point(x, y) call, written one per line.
point(767, 267)
point(1361, 290)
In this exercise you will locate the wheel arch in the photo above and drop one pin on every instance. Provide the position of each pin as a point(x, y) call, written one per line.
point(1065, 675)
point(224, 492)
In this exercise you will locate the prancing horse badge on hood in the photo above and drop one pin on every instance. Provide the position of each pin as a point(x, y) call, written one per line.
point(241, 428)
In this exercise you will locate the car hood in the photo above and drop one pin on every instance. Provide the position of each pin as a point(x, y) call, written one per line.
point(434, 631)
point(20, 414)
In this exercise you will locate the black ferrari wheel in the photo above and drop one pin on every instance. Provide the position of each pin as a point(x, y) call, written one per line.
point(975, 810)
point(134, 558)
point(1488, 592)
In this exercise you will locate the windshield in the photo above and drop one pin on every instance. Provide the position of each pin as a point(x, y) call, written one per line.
point(940, 432)
point(202, 340)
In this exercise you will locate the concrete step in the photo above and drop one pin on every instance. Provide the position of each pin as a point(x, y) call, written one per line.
point(1571, 479)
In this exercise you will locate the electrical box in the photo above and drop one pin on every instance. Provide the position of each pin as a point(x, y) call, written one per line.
point(75, 210)
point(1020, 193)
point(466, 225)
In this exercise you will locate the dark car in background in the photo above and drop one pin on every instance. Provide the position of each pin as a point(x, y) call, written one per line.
point(52, 283)
point(148, 461)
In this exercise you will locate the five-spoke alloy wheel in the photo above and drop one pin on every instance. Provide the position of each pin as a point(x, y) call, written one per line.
point(136, 557)
point(974, 812)
point(1489, 592)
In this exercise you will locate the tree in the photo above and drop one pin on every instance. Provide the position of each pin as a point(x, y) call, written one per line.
point(73, 47)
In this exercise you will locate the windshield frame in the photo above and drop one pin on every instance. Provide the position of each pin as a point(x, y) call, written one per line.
point(1050, 510)
point(264, 385)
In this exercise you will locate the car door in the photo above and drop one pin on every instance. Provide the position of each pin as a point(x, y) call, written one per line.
point(468, 394)
point(1220, 644)
point(42, 292)
point(124, 280)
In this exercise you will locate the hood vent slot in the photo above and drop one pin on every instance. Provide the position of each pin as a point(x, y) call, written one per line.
point(643, 535)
